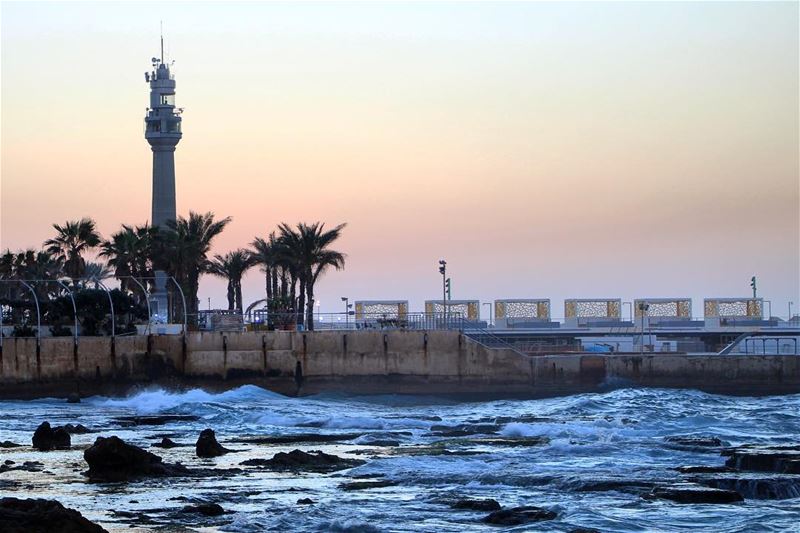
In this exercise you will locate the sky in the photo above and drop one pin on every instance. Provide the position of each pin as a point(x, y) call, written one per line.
point(545, 150)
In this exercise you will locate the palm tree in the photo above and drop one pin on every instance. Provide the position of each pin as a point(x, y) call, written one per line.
point(72, 240)
point(307, 250)
point(129, 253)
point(96, 272)
point(264, 253)
point(232, 266)
point(182, 251)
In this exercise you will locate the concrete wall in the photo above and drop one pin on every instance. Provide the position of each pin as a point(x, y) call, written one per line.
point(369, 362)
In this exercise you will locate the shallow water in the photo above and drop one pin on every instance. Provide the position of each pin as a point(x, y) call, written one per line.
point(617, 435)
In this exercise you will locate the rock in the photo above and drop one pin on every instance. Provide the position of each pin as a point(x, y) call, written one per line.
point(207, 445)
point(364, 485)
point(46, 438)
point(509, 441)
point(205, 509)
point(704, 469)
point(476, 505)
point(298, 460)
point(9, 444)
point(694, 494)
point(111, 459)
point(518, 515)
point(304, 437)
point(782, 459)
point(305, 501)
point(694, 442)
point(127, 421)
point(74, 398)
point(758, 488)
point(166, 442)
point(465, 430)
point(76, 429)
point(42, 516)
point(27, 466)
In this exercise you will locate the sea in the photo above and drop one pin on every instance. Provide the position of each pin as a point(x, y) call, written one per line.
point(585, 457)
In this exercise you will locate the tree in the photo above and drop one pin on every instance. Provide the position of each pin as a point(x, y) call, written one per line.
point(182, 249)
point(72, 240)
point(129, 254)
point(232, 266)
point(264, 253)
point(307, 249)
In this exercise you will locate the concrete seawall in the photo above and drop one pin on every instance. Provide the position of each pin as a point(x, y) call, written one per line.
point(365, 362)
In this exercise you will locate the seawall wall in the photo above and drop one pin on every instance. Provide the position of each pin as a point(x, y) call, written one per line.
point(365, 362)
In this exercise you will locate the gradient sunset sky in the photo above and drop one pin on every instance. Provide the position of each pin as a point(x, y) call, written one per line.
point(548, 150)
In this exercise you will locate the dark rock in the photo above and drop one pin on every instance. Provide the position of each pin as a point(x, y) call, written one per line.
point(476, 505)
point(27, 466)
point(9, 444)
point(631, 486)
point(160, 420)
point(207, 445)
point(694, 494)
point(694, 442)
point(205, 509)
point(305, 437)
point(305, 501)
point(465, 429)
point(298, 460)
point(510, 441)
point(76, 429)
point(518, 515)
point(46, 438)
point(784, 460)
point(382, 442)
point(704, 469)
point(74, 398)
point(758, 488)
point(166, 442)
point(111, 459)
point(364, 485)
point(42, 516)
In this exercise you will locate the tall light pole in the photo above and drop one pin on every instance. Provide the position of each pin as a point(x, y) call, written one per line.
point(643, 307)
point(790, 310)
point(347, 306)
point(443, 272)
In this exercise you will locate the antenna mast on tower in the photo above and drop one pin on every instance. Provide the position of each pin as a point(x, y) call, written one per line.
point(162, 41)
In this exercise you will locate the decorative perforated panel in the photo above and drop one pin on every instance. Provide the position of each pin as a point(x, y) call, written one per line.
point(522, 309)
point(592, 308)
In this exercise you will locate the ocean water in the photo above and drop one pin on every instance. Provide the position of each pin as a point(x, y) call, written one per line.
point(425, 446)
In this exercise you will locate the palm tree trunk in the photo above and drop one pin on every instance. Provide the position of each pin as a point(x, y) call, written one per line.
point(231, 295)
point(302, 301)
point(310, 306)
point(238, 288)
point(268, 281)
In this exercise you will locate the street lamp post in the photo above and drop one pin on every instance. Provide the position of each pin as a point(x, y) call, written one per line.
point(443, 272)
point(347, 306)
point(643, 307)
point(790, 310)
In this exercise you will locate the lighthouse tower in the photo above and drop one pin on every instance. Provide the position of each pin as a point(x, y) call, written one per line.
point(163, 132)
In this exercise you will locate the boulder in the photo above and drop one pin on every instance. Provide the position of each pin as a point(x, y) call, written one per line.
point(518, 515)
point(76, 429)
point(9, 444)
point(364, 485)
point(42, 516)
point(157, 420)
point(476, 505)
point(780, 487)
point(207, 445)
point(305, 501)
point(298, 460)
point(693, 442)
point(166, 442)
point(694, 494)
point(46, 438)
point(205, 509)
point(111, 459)
point(782, 459)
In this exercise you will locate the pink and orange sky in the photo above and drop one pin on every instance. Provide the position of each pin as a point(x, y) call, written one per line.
point(544, 149)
